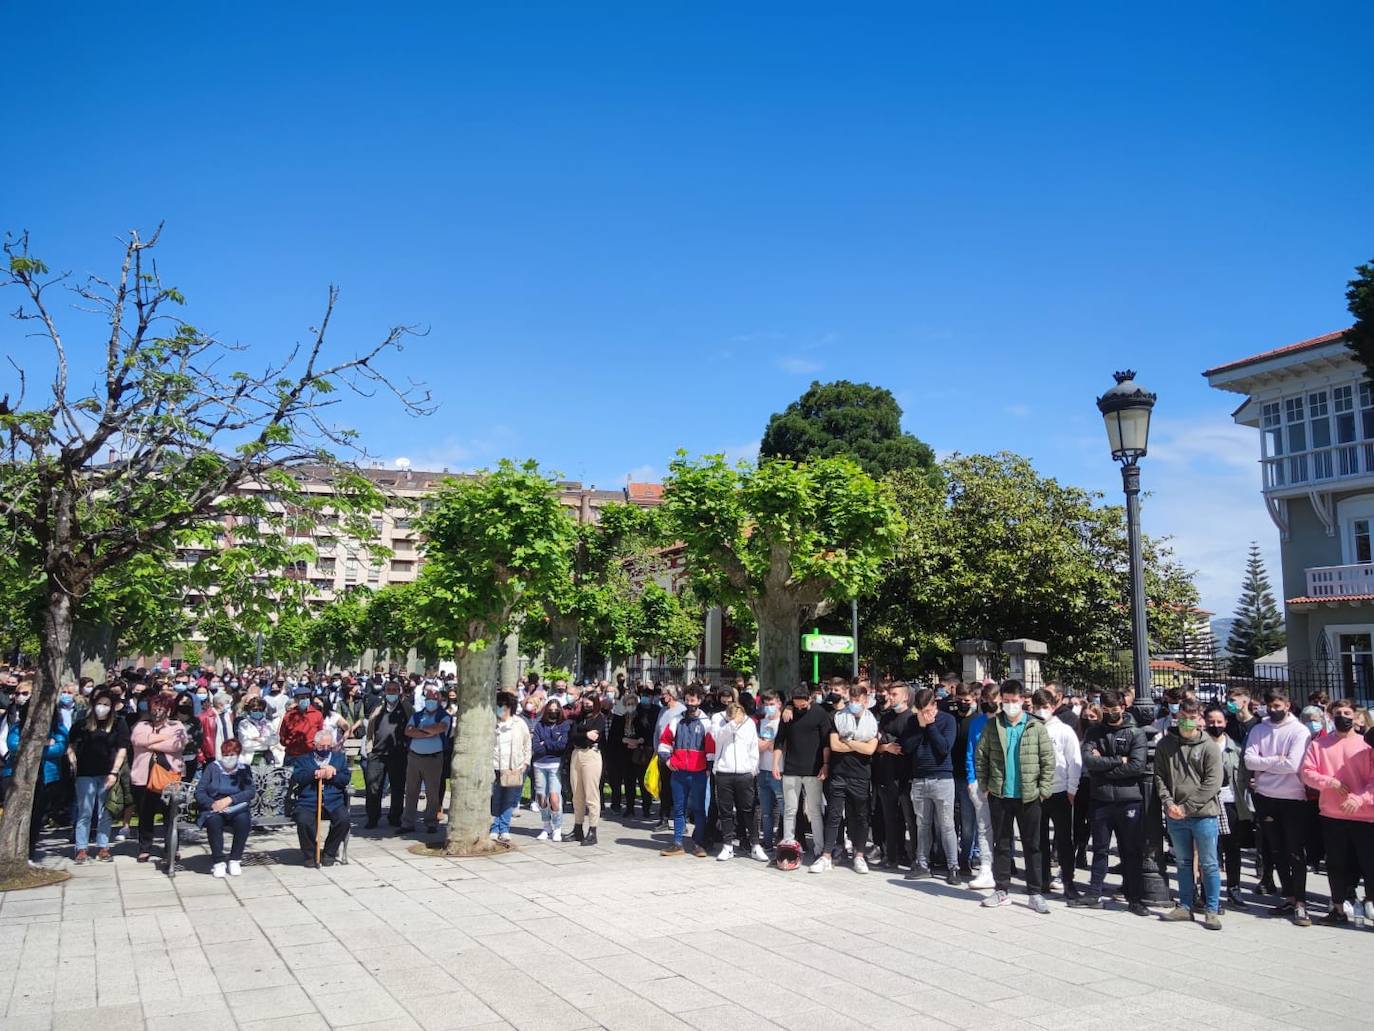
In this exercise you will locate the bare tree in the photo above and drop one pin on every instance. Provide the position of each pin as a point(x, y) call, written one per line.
point(164, 442)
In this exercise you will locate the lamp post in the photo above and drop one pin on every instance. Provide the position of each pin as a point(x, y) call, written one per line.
point(1126, 412)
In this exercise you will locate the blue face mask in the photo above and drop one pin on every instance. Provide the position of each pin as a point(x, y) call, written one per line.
point(942, 693)
point(67, 701)
point(303, 704)
point(1233, 707)
point(854, 708)
point(1173, 708)
point(258, 714)
point(431, 704)
point(142, 706)
point(771, 710)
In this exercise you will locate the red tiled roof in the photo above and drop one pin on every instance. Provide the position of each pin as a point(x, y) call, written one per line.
point(1336, 597)
point(1301, 345)
point(1170, 665)
point(645, 491)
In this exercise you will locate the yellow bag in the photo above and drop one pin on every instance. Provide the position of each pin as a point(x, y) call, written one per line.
point(651, 779)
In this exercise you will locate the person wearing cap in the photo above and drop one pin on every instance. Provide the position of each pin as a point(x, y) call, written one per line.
point(299, 725)
point(325, 769)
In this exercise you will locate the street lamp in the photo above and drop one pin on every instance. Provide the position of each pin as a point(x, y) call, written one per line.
point(1126, 412)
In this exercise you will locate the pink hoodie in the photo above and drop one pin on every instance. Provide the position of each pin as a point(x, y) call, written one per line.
point(1332, 760)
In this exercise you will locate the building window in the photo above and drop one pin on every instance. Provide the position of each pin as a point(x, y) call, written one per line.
point(326, 565)
point(374, 572)
point(1359, 537)
point(351, 571)
point(376, 524)
point(1273, 436)
point(402, 567)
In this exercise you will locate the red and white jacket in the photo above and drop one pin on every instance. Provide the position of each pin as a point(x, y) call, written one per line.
point(687, 743)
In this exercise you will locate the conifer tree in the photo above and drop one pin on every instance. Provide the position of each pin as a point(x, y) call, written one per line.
point(1258, 628)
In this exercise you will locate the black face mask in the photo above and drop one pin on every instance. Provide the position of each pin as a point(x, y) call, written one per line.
point(1112, 718)
point(1343, 723)
point(964, 708)
point(1279, 715)
point(1216, 731)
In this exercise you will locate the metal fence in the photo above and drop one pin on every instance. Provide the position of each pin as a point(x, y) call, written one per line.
point(1210, 677)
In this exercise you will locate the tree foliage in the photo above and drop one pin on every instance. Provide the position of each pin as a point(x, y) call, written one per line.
point(996, 551)
point(1359, 296)
point(781, 538)
point(861, 421)
point(1258, 628)
point(103, 473)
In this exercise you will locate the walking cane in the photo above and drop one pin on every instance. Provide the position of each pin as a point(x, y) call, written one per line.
point(319, 801)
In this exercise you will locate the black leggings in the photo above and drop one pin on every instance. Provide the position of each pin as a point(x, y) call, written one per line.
point(1349, 852)
point(1229, 847)
point(1285, 823)
point(1057, 811)
point(148, 804)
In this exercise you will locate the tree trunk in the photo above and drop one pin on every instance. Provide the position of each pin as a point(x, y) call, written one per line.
point(474, 732)
point(779, 620)
point(28, 770)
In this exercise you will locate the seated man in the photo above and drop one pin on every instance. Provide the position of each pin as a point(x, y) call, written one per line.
point(325, 770)
point(225, 794)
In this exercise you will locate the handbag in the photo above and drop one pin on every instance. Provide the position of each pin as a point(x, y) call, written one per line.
point(161, 774)
point(512, 778)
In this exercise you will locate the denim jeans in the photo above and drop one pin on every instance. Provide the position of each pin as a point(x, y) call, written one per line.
point(546, 785)
point(689, 798)
point(90, 801)
point(932, 800)
point(1198, 832)
point(770, 803)
point(977, 821)
point(503, 802)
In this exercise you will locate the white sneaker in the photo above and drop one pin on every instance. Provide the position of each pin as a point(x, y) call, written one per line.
point(759, 854)
point(235, 870)
point(860, 866)
point(1369, 912)
point(503, 837)
point(217, 870)
point(543, 835)
point(1039, 905)
point(1056, 884)
point(557, 835)
point(983, 880)
point(726, 852)
point(493, 836)
point(820, 865)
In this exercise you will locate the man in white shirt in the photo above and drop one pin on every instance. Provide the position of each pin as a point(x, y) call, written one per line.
point(1057, 810)
point(736, 769)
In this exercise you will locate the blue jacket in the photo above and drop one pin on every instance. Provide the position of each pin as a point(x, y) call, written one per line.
point(53, 754)
point(548, 740)
point(215, 784)
point(931, 748)
point(303, 769)
point(976, 726)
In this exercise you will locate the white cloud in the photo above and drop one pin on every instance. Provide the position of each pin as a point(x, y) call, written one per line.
point(644, 474)
point(1019, 410)
point(797, 365)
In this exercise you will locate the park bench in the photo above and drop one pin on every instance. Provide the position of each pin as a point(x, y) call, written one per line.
point(273, 807)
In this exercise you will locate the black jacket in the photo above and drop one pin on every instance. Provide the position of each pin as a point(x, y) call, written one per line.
point(1112, 780)
point(579, 739)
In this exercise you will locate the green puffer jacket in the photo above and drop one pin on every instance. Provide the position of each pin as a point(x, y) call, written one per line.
point(1036, 766)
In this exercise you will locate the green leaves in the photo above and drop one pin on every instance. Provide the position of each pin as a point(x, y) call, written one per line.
point(1359, 297)
point(495, 542)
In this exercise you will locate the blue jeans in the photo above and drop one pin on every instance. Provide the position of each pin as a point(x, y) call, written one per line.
point(770, 804)
point(689, 798)
point(546, 785)
point(503, 802)
point(1198, 832)
point(90, 802)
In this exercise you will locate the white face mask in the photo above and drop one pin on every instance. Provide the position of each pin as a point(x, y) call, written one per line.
point(1044, 714)
point(230, 763)
point(1012, 710)
point(101, 711)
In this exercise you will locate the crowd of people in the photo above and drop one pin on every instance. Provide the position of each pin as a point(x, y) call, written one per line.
point(986, 784)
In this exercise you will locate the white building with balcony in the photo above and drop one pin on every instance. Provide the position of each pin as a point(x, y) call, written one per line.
point(1314, 410)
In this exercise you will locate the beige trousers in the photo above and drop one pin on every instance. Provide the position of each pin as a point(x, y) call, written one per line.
point(586, 786)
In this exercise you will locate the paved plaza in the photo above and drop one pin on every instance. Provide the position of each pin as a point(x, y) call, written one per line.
point(561, 937)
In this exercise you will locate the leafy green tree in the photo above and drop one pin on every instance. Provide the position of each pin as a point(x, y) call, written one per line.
point(1258, 628)
point(1359, 296)
point(861, 421)
point(664, 624)
point(337, 630)
point(781, 538)
point(197, 444)
point(997, 551)
point(495, 544)
point(392, 623)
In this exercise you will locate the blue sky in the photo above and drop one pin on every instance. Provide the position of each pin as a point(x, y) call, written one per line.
point(640, 227)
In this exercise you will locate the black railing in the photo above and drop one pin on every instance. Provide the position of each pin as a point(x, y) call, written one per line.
point(1210, 678)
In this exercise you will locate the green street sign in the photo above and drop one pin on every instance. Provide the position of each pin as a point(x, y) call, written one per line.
point(832, 644)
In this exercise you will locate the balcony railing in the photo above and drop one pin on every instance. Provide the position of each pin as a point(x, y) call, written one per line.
point(1319, 465)
point(1340, 581)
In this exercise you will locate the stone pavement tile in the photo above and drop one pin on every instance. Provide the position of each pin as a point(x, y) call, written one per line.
point(258, 1003)
point(640, 1016)
point(1019, 1005)
point(202, 1001)
point(450, 1010)
point(361, 1001)
point(675, 993)
point(824, 1020)
point(28, 1022)
point(418, 979)
point(292, 935)
point(728, 1018)
point(298, 1022)
point(342, 973)
point(957, 1010)
point(258, 967)
point(106, 1018)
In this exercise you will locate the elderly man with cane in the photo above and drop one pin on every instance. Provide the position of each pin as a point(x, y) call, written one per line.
point(321, 778)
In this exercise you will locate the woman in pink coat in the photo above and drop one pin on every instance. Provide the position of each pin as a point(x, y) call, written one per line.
point(1340, 766)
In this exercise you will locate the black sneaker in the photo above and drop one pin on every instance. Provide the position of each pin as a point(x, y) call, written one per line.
point(1085, 902)
point(1335, 917)
point(953, 879)
point(1284, 908)
point(1139, 909)
point(917, 873)
point(1267, 888)
point(1234, 897)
